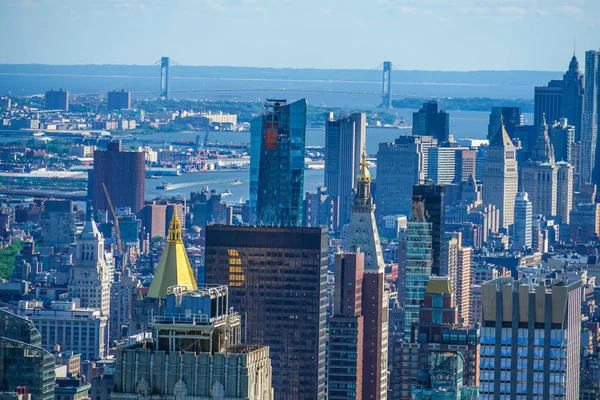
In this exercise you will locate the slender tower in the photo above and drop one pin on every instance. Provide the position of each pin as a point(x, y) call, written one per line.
point(363, 237)
point(500, 176)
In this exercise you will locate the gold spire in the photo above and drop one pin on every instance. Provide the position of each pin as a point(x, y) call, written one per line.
point(174, 267)
point(364, 175)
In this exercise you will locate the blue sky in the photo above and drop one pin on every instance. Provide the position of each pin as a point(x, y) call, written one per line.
point(414, 34)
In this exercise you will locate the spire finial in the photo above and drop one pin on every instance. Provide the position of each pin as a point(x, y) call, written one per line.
point(174, 228)
point(90, 212)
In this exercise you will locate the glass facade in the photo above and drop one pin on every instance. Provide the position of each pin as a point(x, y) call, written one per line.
point(419, 260)
point(277, 149)
point(22, 361)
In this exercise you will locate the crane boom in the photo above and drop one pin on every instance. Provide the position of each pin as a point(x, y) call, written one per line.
point(117, 230)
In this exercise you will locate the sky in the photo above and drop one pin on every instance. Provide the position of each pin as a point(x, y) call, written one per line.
point(448, 35)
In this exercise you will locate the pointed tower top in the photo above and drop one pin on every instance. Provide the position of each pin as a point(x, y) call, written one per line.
point(364, 175)
point(174, 267)
point(174, 230)
point(502, 138)
point(544, 120)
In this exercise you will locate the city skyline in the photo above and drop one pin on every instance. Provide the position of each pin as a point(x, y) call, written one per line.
point(453, 30)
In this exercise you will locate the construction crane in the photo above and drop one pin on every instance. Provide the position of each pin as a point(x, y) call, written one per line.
point(117, 230)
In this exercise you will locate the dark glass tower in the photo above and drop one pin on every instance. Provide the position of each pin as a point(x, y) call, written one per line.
point(572, 105)
point(277, 140)
point(511, 116)
point(428, 206)
point(277, 280)
point(430, 121)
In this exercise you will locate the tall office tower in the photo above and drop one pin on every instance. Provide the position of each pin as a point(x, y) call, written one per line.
point(364, 237)
point(58, 223)
point(277, 280)
point(346, 329)
point(408, 154)
point(123, 293)
point(415, 262)
point(277, 140)
point(437, 329)
point(174, 267)
point(576, 163)
point(523, 222)
point(463, 279)
point(539, 175)
point(429, 205)
point(119, 100)
point(90, 277)
point(441, 165)
point(466, 164)
point(573, 90)
point(564, 191)
point(123, 174)
point(589, 120)
point(512, 116)
point(321, 209)
point(548, 101)
point(430, 121)
point(57, 100)
point(500, 176)
point(530, 339)
point(456, 267)
point(344, 142)
point(562, 138)
point(23, 361)
point(195, 353)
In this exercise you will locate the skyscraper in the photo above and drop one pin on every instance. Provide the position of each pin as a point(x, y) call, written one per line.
point(57, 100)
point(500, 176)
point(58, 223)
point(123, 174)
point(23, 361)
point(530, 339)
point(90, 276)
point(408, 154)
point(364, 237)
point(539, 175)
point(548, 101)
point(346, 329)
point(428, 205)
point(512, 116)
point(344, 143)
point(277, 280)
point(589, 121)
point(573, 90)
point(277, 148)
point(562, 138)
point(430, 121)
point(564, 191)
point(523, 222)
point(119, 100)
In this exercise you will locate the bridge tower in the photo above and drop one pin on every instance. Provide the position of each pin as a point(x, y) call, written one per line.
point(164, 77)
point(386, 92)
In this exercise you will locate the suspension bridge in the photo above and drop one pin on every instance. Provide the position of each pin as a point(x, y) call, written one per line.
point(165, 92)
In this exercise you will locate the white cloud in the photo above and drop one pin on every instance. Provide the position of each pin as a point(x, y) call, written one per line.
point(570, 10)
point(326, 11)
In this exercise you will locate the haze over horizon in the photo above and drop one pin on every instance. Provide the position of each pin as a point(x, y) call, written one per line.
point(430, 35)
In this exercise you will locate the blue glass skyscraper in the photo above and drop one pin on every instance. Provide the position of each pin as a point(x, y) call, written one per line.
point(277, 140)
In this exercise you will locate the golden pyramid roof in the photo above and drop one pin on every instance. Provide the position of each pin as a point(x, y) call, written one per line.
point(174, 267)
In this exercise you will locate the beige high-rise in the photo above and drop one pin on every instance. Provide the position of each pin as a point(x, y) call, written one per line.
point(500, 176)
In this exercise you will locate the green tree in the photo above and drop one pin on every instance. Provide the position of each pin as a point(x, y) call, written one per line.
point(7, 258)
